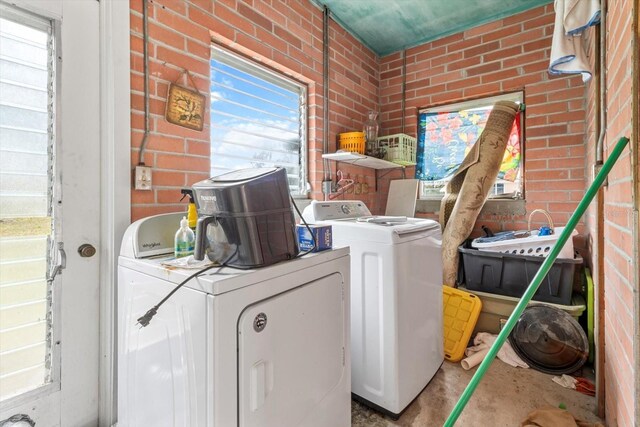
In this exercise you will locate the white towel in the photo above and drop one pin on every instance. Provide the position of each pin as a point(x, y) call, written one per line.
point(567, 53)
point(580, 14)
point(484, 341)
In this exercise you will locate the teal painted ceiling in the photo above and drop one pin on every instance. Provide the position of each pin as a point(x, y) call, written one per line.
point(388, 26)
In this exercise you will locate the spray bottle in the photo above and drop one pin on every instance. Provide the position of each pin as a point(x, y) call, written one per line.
point(185, 240)
point(192, 212)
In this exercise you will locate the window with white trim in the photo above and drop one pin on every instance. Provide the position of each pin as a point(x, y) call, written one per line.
point(27, 83)
point(446, 134)
point(258, 119)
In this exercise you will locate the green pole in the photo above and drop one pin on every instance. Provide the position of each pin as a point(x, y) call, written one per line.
point(535, 283)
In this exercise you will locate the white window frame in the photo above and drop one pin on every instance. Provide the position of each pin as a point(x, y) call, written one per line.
point(517, 97)
point(260, 71)
point(52, 355)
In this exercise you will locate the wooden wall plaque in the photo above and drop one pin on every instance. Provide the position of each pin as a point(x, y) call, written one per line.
point(185, 107)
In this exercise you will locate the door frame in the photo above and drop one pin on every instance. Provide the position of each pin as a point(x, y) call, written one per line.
point(115, 185)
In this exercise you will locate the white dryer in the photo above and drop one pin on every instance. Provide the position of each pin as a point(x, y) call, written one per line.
point(396, 301)
point(264, 347)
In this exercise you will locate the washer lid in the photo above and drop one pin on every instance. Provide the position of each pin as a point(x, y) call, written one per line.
point(383, 229)
point(550, 340)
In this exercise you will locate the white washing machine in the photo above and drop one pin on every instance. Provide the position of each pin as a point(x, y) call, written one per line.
point(264, 347)
point(396, 301)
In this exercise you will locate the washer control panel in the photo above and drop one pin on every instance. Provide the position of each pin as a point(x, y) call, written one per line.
point(335, 209)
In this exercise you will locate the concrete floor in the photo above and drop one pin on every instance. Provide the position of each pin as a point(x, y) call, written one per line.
point(504, 397)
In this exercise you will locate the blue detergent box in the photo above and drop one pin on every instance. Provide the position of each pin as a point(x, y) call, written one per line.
point(322, 234)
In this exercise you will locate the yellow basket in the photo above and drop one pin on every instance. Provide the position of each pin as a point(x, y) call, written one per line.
point(399, 148)
point(352, 142)
point(461, 312)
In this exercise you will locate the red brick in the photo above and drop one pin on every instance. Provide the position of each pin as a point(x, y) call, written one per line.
point(194, 65)
point(159, 142)
point(166, 36)
point(541, 44)
point(547, 175)
point(288, 37)
point(198, 148)
point(546, 130)
point(166, 196)
point(506, 74)
point(167, 128)
point(483, 69)
point(206, 5)
point(198, 49)
point(463, 44)
point(524, 16)
point(156, 106)
point(184, 163)
point(462, 64)
point(481, 49)
point(482, 90)
point(181, 25)
point(502, 33)
point(502, 54)
point(166, 179)
point(177, 6)
point(483, 29)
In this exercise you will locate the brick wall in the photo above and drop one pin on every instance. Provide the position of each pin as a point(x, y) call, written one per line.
point(507, 55)
point(619, 316)
point(620, 319)
point(286, 36)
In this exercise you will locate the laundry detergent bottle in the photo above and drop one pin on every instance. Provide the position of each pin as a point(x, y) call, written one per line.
point(185, 240)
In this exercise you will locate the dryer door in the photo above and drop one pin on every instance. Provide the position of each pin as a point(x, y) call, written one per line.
point(291, 354)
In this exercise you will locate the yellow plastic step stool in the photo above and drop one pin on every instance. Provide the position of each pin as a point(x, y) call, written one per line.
point(461, 312)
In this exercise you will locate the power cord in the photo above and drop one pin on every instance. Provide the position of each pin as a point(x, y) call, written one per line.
point(146, 319)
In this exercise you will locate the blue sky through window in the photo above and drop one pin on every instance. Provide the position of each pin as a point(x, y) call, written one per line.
point(254, 122)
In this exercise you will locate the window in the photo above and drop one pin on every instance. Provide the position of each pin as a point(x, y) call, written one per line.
point(447, 133)
point(258, 119)
point(26, 182)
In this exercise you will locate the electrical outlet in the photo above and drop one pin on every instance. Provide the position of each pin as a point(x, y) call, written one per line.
point(596, 171)
point(142, 178)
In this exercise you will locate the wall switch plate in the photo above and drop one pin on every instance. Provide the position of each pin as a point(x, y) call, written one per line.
point(142, 178)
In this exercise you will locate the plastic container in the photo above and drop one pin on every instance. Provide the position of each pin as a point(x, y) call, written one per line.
point(352, 141)
point(533, 246)
point(460, 313)
point(496, 309)
point(399, 148)
point(536, 244)
point(185, 240)
point(371, 128)
point(507, 274)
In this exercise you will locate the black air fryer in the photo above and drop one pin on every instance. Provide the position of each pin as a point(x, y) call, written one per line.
point(245, 218)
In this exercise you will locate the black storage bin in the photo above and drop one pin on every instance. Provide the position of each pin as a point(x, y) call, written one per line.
point(507, 274)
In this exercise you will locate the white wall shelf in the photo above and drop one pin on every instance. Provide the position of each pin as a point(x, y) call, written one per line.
point(361, 160)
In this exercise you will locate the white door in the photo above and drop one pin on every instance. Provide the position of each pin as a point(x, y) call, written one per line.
point(49, 203)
